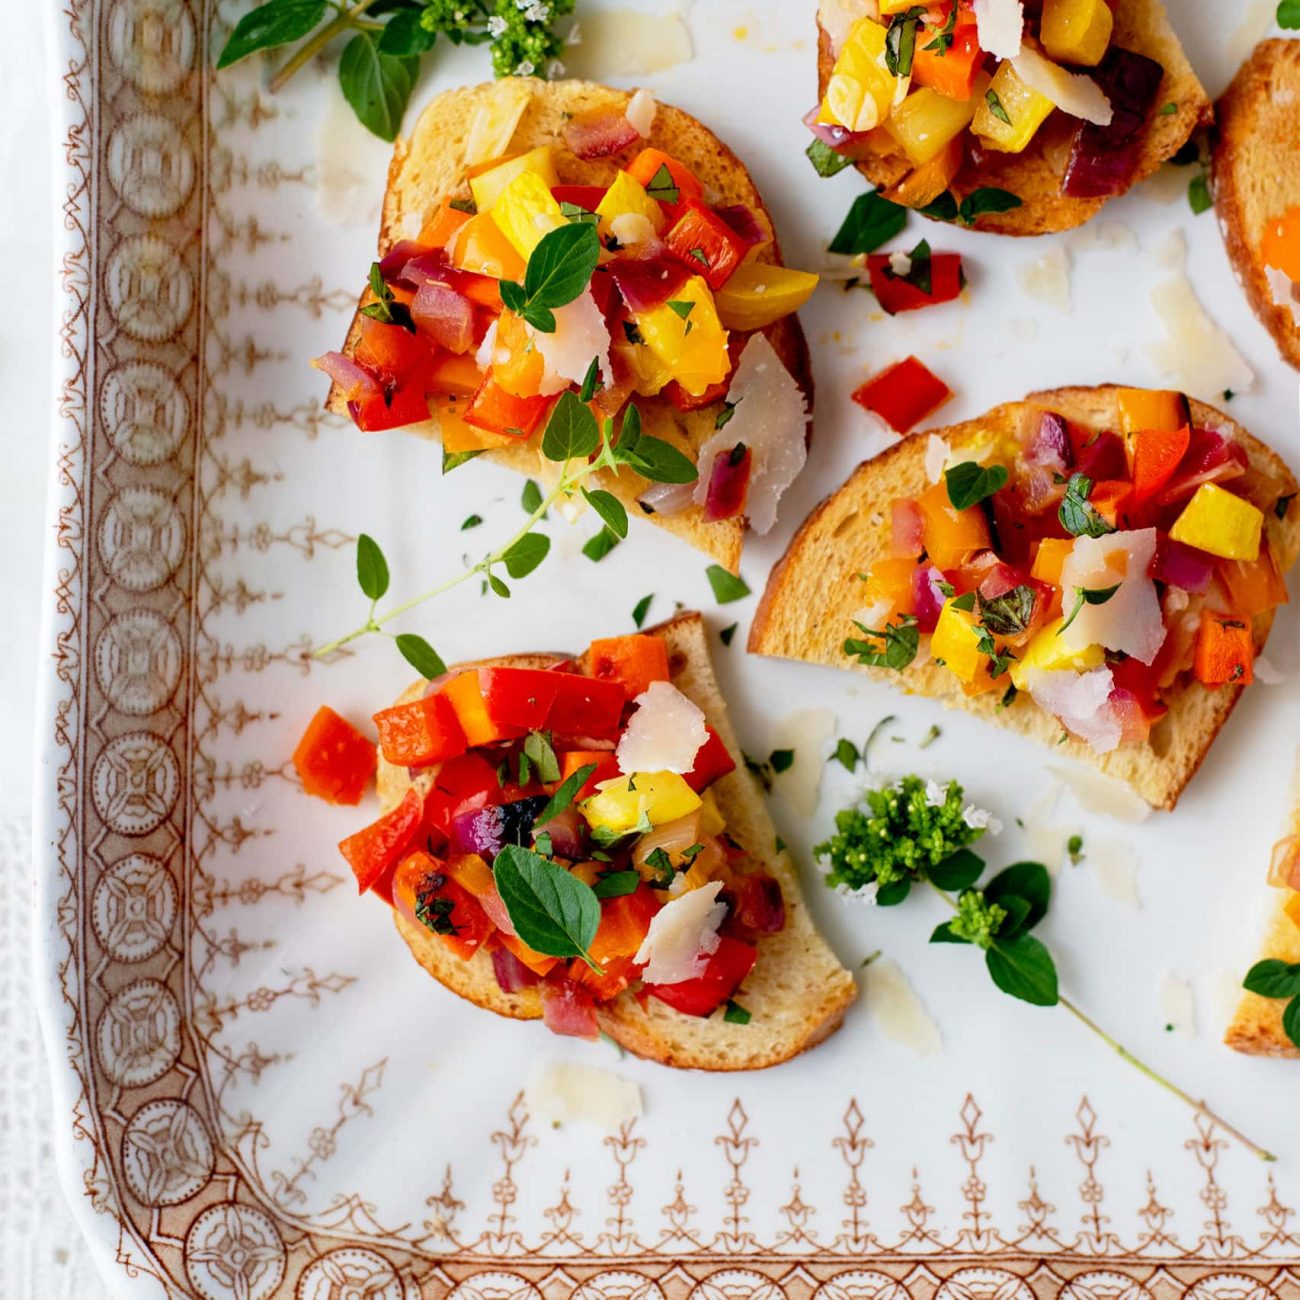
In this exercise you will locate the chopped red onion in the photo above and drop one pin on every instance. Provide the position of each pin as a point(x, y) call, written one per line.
point(1049, 445)
point(1211, 457)
point(758, 904)
point(393, 262)
point(351, 376)
point(1104, 158)
point(831, 133)
point(1179, 565)
point(569, 1009)
point(667, 498)
point(443, 315)
point(927, 596)
point(599, 134)
point(728, 483)
point(428, 264)
point(512, 975)
point(646, 283)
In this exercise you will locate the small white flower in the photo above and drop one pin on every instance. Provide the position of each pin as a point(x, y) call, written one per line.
point(575, 35)
point(554, 70)
point(980, 819)
point(525, 68)
point(496, 26)
point(863, 894)
point(936, 795)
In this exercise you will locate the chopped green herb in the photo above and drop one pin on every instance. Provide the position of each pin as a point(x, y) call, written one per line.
point(471, 521)
point(727, 633)
point(872, 221)
point(995, 106)
point(727, 586)
point(847, 754)
point(781, 760)
point(893, 646)
point(640, 609)
point(735, 1014)
point(825, 161)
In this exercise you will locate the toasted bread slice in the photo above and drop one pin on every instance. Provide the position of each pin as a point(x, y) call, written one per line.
point(1256, 173)
point(808, 606)
point(430, 165)
point(1035, 175)
point(796, 994)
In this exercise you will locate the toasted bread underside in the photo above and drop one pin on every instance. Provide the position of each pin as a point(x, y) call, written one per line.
point(797, 992)
point(430, 165)
point(807, 609)
point(1256, 172)
point(1035, 175)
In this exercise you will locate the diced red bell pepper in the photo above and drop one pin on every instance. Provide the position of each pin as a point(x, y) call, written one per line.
point(587, 197)
point(419, 733)
point(645, 168)
point(903, 395)
point(334, 761)
point(624, 923)
point(1225, 650)
point(759, 904)
point(482, 290)
point(424, 893)
point(586, 707)
point(496, 411)
point(376, 848)
point(1142, 682)
point(684, 401)
point(706, 244)
point(1156, 454)
point(604, 761)
point(895, 294)
point(397, 408)
point(1113, 499)
point(569, 1009)
point(392, 351)
point(724, 974)
point(952, 72)
point(462, 784)
point(712, 760)
point(519, 697)
point(633, 662)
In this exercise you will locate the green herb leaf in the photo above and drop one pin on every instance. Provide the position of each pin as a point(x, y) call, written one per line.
point(571, 432)
point(372, 568)
point(1087, 596)
point(591, 384)
point(825, 161)
point(541, 754)
point(597, 547)
point(269, 25)
point(1078, 516)
point(995, 106)
point(616, 884)
point(781, 760)
point(377, 85)
point(455, 459)
point(566, 794)
point(727, 586)
point(1273, 979)
point(1167, 110)
point(897, 645)
point(404, 34)
point(873, 735)
point(1198, 194)
point(641, 609)
point(987, 199)
point(1009, 614)
point(1282, 505)
point(942, 42)
point(561, 265)
point(526, 554)
point(498, 587)
point(576, 212)
point(1023, 967)
point(420, 655)
point(531, 497)
point(944, 208)
point(727, 633)
point(609, 508)
point(1291, 1012)
point(662, 186)
point(656, 460)
point(944, 933)
point(1027, 881)
point(965, 602)
point(893, 893)
point(847, 754)
point(958, 871)
point(735, 1014)
point(970, 483)
point(471, 521)
point(1288, 14)
point(872, 221)
point(552, 911)
point(900, 40)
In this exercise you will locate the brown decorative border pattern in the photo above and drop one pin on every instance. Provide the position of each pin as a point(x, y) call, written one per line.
point(138, 830)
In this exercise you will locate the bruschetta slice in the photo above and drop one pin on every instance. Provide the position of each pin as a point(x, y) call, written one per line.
point(1096, 568)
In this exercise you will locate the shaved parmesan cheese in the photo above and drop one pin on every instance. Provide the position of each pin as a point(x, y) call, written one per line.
point(1072, 92)
point(835, 17)
point(682, 935)
point(626, 43)
point(771, 419)
point(1196, 352)
point(896, 1010)
point(1000, 26)
point(1049, 840)
point(1115, 867)
point(901, 264)
point(633, 230)
point(937, 452)
point(1177, 1004)
point(1100, 794)
point(1047, 279)
point(1098, 236)
point(558, 1092)
point(580, 334)
point(663, 734)
point(807, 732)
point(494, 124)
point(1130, 621)
point(1079, 701)
point(1171, 251)
point(640, 111)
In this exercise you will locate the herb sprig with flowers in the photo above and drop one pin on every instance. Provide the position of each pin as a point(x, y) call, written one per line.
point(919, 832)
point(388, 38)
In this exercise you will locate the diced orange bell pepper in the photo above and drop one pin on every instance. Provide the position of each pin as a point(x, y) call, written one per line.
point(537, 962)
point(1152, 408)
point(455, 375)
point(458, 437)
point(517, 365)
point(923, 184)
point(496, 411)
point(444, 222)
point(426, 894)
point(951, 535)
point(645, 168)
point(903, 395)
point(467, 699)
point(419, 733)
point(1112, 498)
point(471, 872)
point(482, 290)
point(631, 661)
point(953, 71)
point(376, 848)
point(1225, 650)
point(1050, 558)
point(889, 581)
point(574, 760)
point(1292, 908)
point(624, 922)
point(1154, 454)
point(1254, 586)
point(701, 239)
point(334, 761)
point(619, 973)
point(481, 247)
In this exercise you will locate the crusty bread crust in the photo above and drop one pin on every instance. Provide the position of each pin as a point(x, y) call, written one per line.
point(1140, 26)
point(1256, 173)
point(430, 164)
point(798, 991)
point(807, 609)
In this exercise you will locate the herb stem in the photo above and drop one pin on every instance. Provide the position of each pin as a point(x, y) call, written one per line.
point(1200, 1107)
point(310, 49)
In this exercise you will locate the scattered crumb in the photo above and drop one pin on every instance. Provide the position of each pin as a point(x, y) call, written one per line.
point(808, 733)
point(1046, 279)
point(1177, 1004)
point(897, 1011)
point(558, 1092)
point(1115, 867)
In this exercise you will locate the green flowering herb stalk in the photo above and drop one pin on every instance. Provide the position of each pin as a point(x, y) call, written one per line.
point(919, 832)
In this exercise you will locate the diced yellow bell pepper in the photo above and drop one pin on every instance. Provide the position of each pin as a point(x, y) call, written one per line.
point(712, 822)
point(526, 211)
point(618, 806)
point(758, 293)
point(895, 6)
point(1050, 559)
point(955, 640)
point(1025, 109)
point(488, 185)
point(926, 121)
point(1048, 652)
point(480, 246)
point(1221, 523)
point(1292, 908)
point(627, 194)
point(1076, 31)
point(649, 374)
point(687, 336)
point(861, 89)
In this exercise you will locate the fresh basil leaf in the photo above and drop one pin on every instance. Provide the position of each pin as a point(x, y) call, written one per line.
point(526, 554)
point(1078, 516)
point(727, 586)
point(735, 1014)
point(377, 85)
point(531, 497)
point(995, 106)
point(497, 587)
point(571, 432)
point(405, 34)
point(727, 633)
point(455, 459)
point(609, 508)
point(958, 871)
point(970, 483)
point(1009, 614)
point(1022, 967)
point(420, 655)
point(825, 160)
point(616, 884)
point(872, 221)
point(552, 911)
point(1273, 979)
point(965, 602)
point(900, 40)
point(591, 384)
point(540, 318)
point(372, 568)
point(895, 892)
point(781, 760)
point(566, 794)
point(269, 25)
point(942, 42)
point(641, 609)
point(1017, 911)
point(471, 521)
point(561, 265)
point(663, 187)
point(659, 461)
point(597, 547)
point(987, 199)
